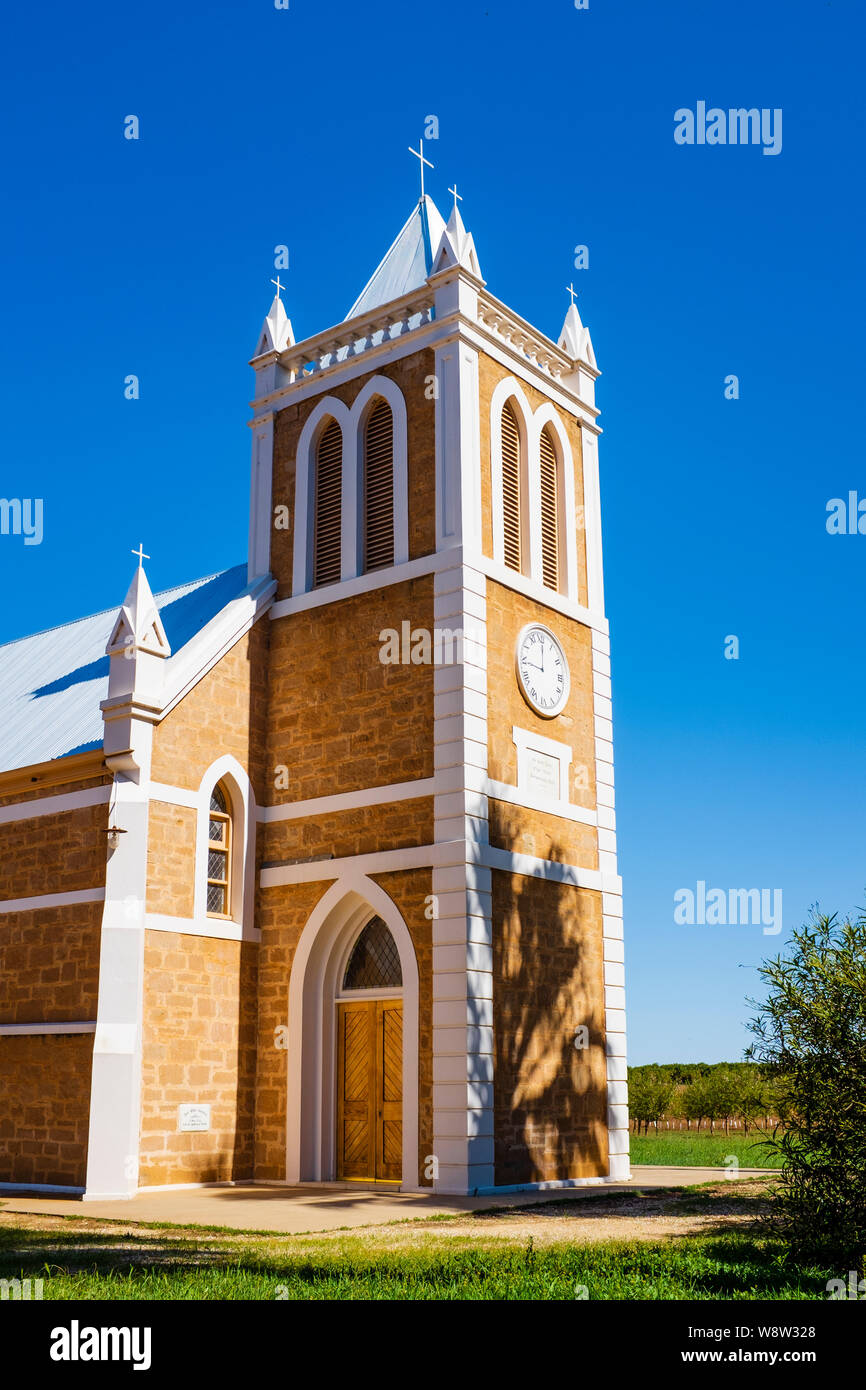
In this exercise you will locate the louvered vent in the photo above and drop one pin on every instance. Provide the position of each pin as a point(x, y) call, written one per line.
point(379, 488)
point(549, 515)
point(329, 487)
point(511, 488)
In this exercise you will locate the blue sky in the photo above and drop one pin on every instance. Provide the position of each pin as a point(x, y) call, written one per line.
point(261, 127)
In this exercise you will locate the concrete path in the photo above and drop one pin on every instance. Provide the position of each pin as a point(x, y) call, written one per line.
point(295, 1210)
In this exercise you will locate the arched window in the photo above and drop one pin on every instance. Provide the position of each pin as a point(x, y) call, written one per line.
point(375, 960)
point(219, 854)
point(549, 480)
point(327, 549)
point(511, 489)
point(378, 488)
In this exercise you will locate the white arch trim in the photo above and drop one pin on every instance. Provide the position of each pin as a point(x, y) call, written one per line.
point(227, 769)
point(509, 389)
point(547, 415)
point(305, 498)
point(531, 423)
point(351, 422)
point(312, 1028)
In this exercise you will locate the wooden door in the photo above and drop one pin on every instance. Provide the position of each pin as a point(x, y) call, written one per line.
point(370, 1090)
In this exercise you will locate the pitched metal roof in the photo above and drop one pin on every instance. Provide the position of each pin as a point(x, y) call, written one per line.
point(51, 684)
point(407, 262)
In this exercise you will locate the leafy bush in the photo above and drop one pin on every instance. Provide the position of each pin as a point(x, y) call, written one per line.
point(810, 1037)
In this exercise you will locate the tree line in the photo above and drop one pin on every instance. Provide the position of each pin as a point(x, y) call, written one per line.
point(700, 1092)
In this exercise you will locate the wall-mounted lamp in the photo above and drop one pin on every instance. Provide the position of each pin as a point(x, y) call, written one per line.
point(114, 833)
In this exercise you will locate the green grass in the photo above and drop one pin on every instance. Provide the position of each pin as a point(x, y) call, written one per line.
point(700, 1149)
point(420, 1260)
point(729, 1268)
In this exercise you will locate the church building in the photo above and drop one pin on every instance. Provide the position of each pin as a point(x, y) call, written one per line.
point(308, 868)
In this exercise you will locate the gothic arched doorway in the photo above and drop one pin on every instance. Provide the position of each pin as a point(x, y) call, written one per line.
point(369, 1003)
point(321, 961)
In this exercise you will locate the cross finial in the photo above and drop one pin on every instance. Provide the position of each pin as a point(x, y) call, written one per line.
point(457, 196)
point(572, 291)
point(141, 555)
point(279, 289)
point(419, 154)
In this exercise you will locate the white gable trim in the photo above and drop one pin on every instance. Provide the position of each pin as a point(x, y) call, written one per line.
point(193, 662)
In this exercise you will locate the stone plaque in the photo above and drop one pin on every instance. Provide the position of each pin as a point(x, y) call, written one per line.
point(542, 775)
point(193, 1117)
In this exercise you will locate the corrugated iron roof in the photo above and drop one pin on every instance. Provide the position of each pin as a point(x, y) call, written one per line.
point(51, 684)
point(407, 262)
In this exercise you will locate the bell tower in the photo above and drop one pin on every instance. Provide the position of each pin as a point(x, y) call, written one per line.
point(425, 492)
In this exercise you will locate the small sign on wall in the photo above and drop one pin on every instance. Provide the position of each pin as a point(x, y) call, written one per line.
point(193, 1118)
point(542, 775)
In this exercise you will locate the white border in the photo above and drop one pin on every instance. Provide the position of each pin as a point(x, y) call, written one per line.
point(526, 742)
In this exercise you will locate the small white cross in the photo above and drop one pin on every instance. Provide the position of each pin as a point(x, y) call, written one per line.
point(419, 154)
point(456, 194)
point(141, 555)
point(572, 291)
point(279, 288)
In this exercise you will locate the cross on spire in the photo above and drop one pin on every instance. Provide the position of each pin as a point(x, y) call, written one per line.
point(279, 289)
point(572, 291)
point(457, 196)
point(419, 154)
point(141, 555)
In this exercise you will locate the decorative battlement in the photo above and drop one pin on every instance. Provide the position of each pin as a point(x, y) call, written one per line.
point(539, 350)
point(356, 336)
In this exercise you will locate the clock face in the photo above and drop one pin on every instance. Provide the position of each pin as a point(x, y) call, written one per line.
point(542, 670)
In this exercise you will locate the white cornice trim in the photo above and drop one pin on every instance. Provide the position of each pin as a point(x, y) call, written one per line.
point(54, 805)
point(192, 662)
point(349, 801)
point(362, 584)
point(440, 855)
point(45, 900)
point(15, 1030)
point(173, 796)
point(549, 598)
point(531, 867)
point(502, 791)
point(433, 564)
point(385, 862)
point(200, 926)
point(431, 334)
